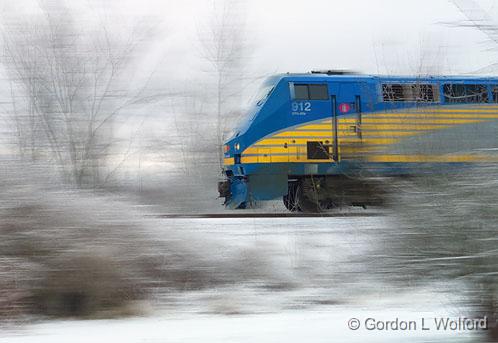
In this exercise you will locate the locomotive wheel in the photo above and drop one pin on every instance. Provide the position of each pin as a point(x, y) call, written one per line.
point(290, 200)
point(310, 206)
point(297, 200)
point(307, 200)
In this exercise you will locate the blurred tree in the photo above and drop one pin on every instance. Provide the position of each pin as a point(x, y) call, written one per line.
point(447, 223)
point(69, 79)
point(447, 229)
point(224, 48)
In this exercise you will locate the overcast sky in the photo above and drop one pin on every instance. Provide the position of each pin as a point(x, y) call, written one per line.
point(371, 36)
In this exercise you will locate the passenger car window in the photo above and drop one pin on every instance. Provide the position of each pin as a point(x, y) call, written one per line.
point(461, 93)
point(413, 92)
point(495, 94)
point(392, 92)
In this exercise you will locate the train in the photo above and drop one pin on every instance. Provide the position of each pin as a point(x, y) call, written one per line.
point(324, 139)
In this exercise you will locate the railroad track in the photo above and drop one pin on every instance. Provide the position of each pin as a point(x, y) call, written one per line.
point(268, 215)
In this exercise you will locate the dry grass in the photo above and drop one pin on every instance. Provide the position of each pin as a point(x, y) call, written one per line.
point(75, 253)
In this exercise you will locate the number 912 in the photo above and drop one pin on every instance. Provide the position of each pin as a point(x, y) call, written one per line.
point(301, 107)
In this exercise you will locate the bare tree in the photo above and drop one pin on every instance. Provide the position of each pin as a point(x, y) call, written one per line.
point(69, 82)
point(478, 18)
point(446, 231)
point(446, 222)
point(224, 47)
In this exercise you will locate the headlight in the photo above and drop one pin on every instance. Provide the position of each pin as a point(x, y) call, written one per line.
point(237, 146)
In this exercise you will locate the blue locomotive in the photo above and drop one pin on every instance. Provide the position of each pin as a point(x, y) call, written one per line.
point(321, 139)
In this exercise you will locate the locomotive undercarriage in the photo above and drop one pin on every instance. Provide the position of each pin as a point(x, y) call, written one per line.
point(320, 193)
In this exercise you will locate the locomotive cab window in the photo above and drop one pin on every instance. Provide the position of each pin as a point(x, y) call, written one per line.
point(462, 93)
point(311, 92)
point(318, 92)
point(301, 92)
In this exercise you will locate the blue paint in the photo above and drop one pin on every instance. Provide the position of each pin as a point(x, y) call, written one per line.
point(239, 193)
point(279, 112)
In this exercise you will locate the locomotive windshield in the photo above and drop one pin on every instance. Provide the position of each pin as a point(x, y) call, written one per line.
point(263, 93)
point(256, 102)
point(265, 90)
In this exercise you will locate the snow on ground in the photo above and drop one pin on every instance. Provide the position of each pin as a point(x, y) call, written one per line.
point(325, 260)
point(312, 252)
point(322, 324)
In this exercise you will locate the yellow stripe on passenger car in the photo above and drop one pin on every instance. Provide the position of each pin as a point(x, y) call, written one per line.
point(373, 133)
point(425, 158)
point(435, 115)
point(417, 127)
point(370, 141)
point(370, 120)
point(455, 110)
